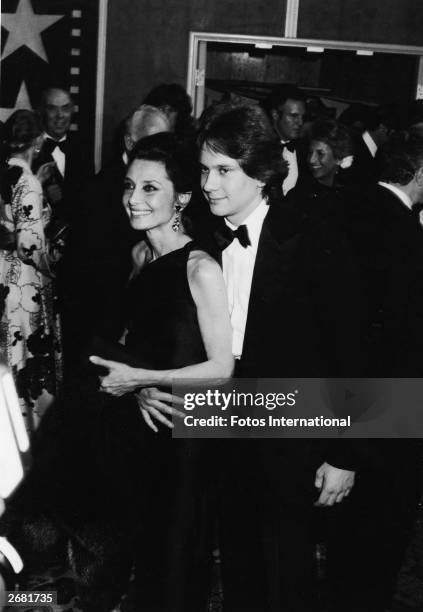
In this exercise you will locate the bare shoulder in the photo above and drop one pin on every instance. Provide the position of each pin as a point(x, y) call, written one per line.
point(202, 269)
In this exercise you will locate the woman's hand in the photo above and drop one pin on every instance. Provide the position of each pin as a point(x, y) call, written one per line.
point(153, 405)
point(121, 378)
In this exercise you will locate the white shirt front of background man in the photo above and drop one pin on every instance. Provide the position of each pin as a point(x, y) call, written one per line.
point(58, 155)
point(292, 177)
point(238, 267)
point(370, 143)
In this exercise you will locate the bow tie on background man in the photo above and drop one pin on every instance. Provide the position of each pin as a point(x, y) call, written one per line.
point(50, 144)
point(225, 236)
point(290, 145)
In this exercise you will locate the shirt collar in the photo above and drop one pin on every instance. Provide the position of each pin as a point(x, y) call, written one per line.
point(254, 223)
point(62, 139)
point(405, 199)
point(371, 145)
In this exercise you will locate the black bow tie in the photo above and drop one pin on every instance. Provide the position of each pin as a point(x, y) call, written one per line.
point(289, 145)
point(225, 236)
point(50, 144)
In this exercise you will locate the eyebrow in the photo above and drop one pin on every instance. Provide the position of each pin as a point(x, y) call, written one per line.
point(223, 165)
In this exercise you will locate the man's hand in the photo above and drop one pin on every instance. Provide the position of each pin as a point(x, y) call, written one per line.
point(153, 403)
point(334, 484)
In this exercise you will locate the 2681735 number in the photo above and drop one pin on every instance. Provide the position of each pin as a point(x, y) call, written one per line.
point(28, 598)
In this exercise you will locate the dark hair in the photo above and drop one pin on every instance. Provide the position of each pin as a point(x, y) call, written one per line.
point(170, 94)
point(334, 134)
point(280, 94)
point(181, 163)
point(20, 130)
point(245, 134)
point(401, 158)
point(53, 87)
point(179, 159)
point(174, 96)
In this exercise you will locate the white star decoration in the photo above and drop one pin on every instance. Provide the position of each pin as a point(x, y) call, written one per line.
point(25, 29)
point(22, 101)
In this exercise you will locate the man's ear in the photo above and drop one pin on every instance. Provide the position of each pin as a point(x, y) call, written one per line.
point(274, 114)
point(184, 198)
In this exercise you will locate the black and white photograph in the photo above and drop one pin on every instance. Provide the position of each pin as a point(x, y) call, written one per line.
point(211, 306)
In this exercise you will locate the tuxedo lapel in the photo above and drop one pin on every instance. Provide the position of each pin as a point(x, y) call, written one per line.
point(267, 282)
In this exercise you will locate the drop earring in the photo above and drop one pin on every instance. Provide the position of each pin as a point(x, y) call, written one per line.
point(177, 221)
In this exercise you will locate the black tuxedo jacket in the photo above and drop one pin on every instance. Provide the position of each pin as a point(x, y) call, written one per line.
point(302, 313)
point(388, 241)
point(364, 169)
point(78, 169)
point(304, 317)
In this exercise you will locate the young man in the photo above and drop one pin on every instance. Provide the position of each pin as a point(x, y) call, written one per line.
point(290, 303)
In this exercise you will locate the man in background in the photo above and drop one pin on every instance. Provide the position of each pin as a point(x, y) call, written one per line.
point(72, 166)
point(285, 107)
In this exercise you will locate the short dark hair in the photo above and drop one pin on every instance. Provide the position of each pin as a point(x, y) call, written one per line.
point(170, 94)
point(21, 129)
point(280, 94)
point(334, 134)
point(401, 158)
point(243, 132)
point(49, 89)
point(179, 158)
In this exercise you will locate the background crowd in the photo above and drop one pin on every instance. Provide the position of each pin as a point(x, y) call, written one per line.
point(315, 222)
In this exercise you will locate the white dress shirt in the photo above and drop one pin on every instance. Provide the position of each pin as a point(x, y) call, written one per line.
point(291, 180)
point(58, 155)
point(238, 266)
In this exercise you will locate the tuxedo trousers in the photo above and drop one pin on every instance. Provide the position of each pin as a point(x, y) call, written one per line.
point(266, 494)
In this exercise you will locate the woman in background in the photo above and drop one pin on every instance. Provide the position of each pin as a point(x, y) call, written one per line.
point(29, 328)
point(322, 194)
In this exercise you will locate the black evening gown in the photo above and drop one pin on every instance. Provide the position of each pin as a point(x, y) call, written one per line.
point(126, 497)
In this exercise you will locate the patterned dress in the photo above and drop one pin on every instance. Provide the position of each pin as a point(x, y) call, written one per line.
point(29, 328)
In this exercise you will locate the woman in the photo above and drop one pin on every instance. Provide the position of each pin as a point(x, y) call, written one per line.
point(130, 489)
point(30, 332)
point(320, 196)
point(178, 328)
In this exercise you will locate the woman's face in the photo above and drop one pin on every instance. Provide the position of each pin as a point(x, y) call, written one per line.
point(231, 193)
point(149, 196)
point(322, 162)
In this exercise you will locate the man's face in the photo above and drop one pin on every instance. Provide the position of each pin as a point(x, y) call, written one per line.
point(288, 119)
point(230, 192)
point(57, 113)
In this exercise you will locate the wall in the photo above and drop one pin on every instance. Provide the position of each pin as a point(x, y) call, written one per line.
point(147, 43)
point(147, 40)
point(380, 21)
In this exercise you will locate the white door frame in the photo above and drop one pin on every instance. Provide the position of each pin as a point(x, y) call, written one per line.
point(197, 59)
